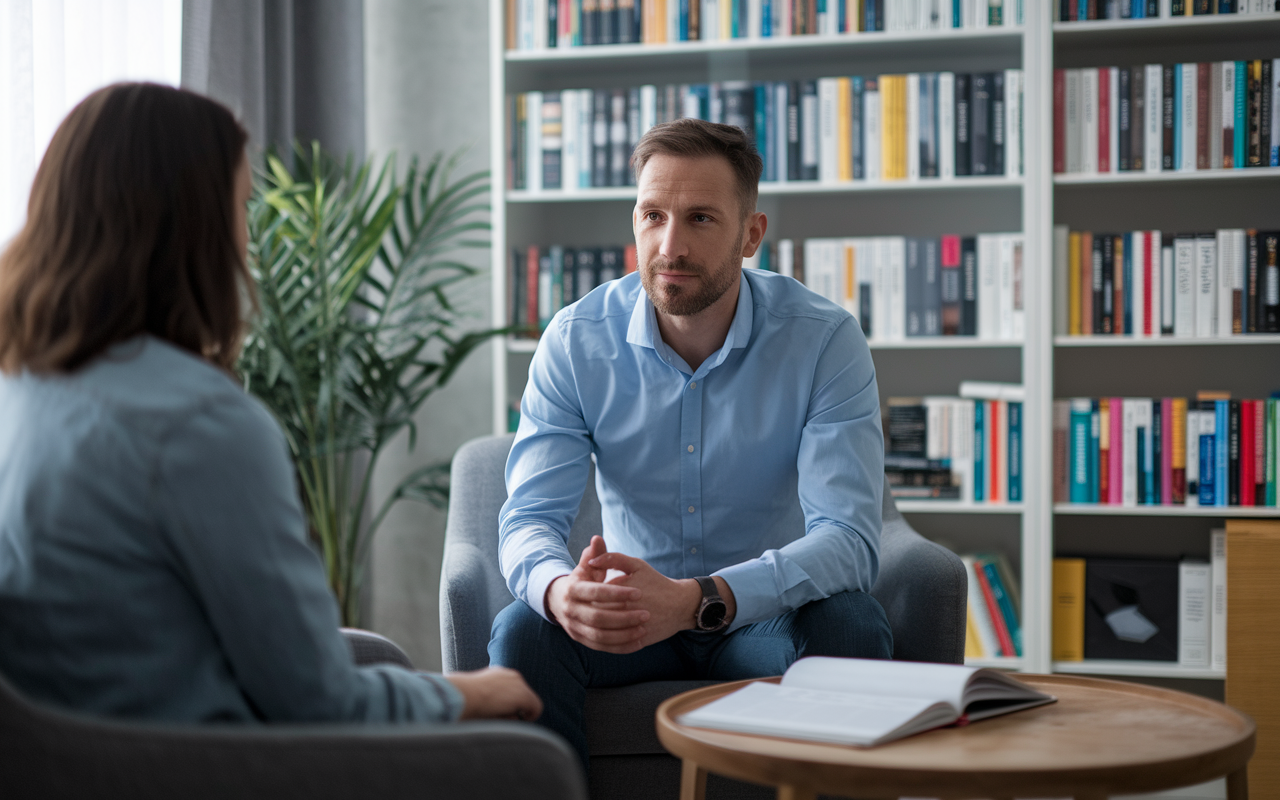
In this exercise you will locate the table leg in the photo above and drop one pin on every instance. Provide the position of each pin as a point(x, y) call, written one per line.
point(795, 793)
point(693, 781)
point(1238, 784)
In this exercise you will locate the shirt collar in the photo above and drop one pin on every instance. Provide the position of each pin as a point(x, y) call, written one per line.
point(643, 329)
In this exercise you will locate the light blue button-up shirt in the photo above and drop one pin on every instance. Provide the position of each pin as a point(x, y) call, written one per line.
point(763, 466)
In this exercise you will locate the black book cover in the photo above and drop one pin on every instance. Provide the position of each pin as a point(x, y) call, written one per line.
point(931, 302)
point(914, 286)
point(996, 125)
point(515, 292)
point(1203, 7)
point(1233, 452)
point(1108, 282)
point(1137, 116)
point(590, 21)
point(607, 27)
point(568, 275)
point(809, 130)
point(619, 154)
point(1153, 9)
point(793, 131)
point(600, 137)
point(1269, 291)
point(1157, 448)
point(1264, 115)
point(1131, 609)
point(553, 27)
point(1252, 264)
point(979, 123)
point(1166, 114)
point(633, 133)
point(586, 275)
point(1064, 10)
point(627, 25)
point(907, 427)
point(961, 121)
point(1123, 135)
point(969, 286)
point(864, 308)
point(1141, 441)
point(1179, 7)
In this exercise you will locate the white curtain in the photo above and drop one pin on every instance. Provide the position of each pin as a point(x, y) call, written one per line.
point(52, 54)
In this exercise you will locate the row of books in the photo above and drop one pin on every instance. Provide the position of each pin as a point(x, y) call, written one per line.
point(1143, 609)
point(966, 449)
point(550, 24)
point(545, 279)
point(919, 126)
point(1167, 117)
point(1149, 284)
point(992, 628)
point(1133, 451)
point(1078, 10)
point(902, 287)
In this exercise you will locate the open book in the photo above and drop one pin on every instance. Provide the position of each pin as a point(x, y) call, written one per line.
point(864, 702)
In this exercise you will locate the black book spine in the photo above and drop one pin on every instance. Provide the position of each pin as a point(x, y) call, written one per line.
point(600, 137)
point(1153, 9)
point(633, 133)
point(1271, 289)
point(979, 122)
point(1179, 8)
point(1166, 115)
point(568, 272)
point(606, 27)
point(1123, 133)
point(1157, 448)
point(1203, 7)
point(1064, 10)
point(914, 287)
point(1137, 116)
point(516, 311)
point(969, 286)
point(793, 131)
point(996, 125)
point(1264, 115)
point(1253, 114)
point(931, 265)
point(590, 22)
point(864, 308)
point(962, 126)
point(1233, 453)
point(552, 137)
point(514, 179)
point(1253, 262)
point(553, 23)
point(855, 129)
point(618, 154)
point(1096, 264)
point(626, 25)
point(1108, 282)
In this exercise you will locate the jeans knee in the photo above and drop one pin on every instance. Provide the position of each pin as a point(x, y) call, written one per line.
point(848, 624)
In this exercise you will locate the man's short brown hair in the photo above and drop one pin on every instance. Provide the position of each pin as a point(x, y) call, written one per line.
point(695, 138)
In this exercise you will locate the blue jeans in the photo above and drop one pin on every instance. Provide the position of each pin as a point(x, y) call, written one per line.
point(560, 670)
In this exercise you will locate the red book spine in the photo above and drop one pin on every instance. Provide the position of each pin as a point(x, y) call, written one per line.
point(1104, 120)
point(531, 288)
point(1166, 450)
point(1104, 453)
point(1247, 445)
point(1202, 115)
point(1146, 283)
point(629, 258)
point(1059, 120)
point(1117, 451)
point(993, 608)
point(1260, 452)
point(995, 492)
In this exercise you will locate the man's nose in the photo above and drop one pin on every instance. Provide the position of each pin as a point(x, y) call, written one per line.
point(673, 245)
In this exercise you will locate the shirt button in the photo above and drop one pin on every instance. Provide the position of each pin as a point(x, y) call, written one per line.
point(690, 509)
point(693, 385)
point(693, 549)
point(690, 448)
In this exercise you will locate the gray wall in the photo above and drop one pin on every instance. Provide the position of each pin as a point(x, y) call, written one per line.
point(426, 79)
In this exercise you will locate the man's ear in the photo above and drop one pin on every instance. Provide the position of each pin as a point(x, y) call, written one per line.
point(756, 225)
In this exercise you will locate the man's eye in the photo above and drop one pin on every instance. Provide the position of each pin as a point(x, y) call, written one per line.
point(653, 216)
point(701, 218)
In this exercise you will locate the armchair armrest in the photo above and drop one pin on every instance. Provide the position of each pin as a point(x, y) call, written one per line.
point(370, 648)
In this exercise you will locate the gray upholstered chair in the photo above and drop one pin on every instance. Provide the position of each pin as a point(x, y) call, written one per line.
point(46, 754)
point(921, 586)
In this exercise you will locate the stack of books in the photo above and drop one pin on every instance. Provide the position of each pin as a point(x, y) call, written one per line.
point(1079, 10)
point(966, 449)
point(1166, 117)
point(913, 127)
point(992, 629)
point(1149, 284)
point(545, 279)
point(1133, 451)
point(541, 24)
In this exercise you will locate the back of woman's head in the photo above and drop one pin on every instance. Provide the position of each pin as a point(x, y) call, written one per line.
point(129, 230)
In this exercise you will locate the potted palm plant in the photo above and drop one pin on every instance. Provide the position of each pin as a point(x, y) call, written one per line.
point(355, 266)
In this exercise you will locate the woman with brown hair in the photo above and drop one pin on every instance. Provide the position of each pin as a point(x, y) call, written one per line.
point(154, 560)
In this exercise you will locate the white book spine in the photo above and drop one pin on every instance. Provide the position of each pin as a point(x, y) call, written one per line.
point(1166, 287)
point(1193, 614)
point(810, 134)
point(586, 135)
point(533, 141)
point(1129, 452)
point(1156, 290)
point(962, 447)
point(1113, 131)
point(981, 615)
point(988, 287)
point(1089, 121)
point(1166, 9)
point(1004, 287)
point(571, 148)
point(936, 442)
point(1187, 122)
point(1214, 130)
point(1184, 276)
point(540, 24)
point(1218, 585)
point(673, 22)
point(708, 20)
point(784, 18)
point(812, 269)
point(1075, 120)
point(828, 140)
point(1238, 267)
point(1018, 246)
point(524, 24)
point(1193, 455)
point(1206, 286)
point(913, 126)
point(648, 107)
point(1153, 135)
point(880, 289)
point(946, 125)
point(787, 258)
point(1013, 123)
point(780, 123)
point(871, 135)
point(754, 10)
point(897, 288)
point(1228, 109)
point(1226, 277)
point(1139, 288)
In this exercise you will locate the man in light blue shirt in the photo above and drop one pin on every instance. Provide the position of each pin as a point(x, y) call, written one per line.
point(734, 422)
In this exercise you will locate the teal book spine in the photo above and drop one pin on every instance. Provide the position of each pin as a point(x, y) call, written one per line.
point(1005, 604)
point(1079, 444)
point(1221, 411)
point(979, 452)
point(1241, 126)
point(1015, 452)
point(1272, 443)
point(1177, 116)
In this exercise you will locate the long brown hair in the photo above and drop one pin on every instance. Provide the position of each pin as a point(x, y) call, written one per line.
point(128, 231)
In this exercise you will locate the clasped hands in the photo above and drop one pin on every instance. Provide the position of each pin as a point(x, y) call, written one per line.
point(628, 612)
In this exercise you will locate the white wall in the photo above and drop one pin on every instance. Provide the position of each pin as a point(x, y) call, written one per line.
point(426, 78)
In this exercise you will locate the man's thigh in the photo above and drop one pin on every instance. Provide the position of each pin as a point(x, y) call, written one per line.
point(546, 655)
point(849, 625)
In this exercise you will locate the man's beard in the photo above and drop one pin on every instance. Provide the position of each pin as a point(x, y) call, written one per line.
point(680, 301)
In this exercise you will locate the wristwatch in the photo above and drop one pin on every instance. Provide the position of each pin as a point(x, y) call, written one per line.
point(712, 610)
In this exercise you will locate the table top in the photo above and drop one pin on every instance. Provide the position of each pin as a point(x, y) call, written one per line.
point(1100, 737)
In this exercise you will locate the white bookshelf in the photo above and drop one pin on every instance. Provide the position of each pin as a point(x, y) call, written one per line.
point(1213, 512)
point(1045, 364)
point(1137, 669)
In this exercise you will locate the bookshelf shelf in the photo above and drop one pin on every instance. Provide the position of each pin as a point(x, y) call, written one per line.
point(1198, 25)
point(773, 189)
point(995, 663)
point(1137, 669)
point(1218, 512)
point(1165, 341)
point(1075, 179)
point(954, 507)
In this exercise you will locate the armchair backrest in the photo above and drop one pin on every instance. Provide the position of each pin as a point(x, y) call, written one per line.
point(921, 585)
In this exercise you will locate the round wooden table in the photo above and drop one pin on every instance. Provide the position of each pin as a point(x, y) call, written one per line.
point(1101, 738)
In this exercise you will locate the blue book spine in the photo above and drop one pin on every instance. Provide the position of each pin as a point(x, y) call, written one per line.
point(1149, 466)
point(869, 12)
point(1080, 440)
point(1241, 127)
point(858, 158)
point(1081, 10)
point(763, 130)
point(955, 13)
point(1005, 604)
point(766, 19)
point(684, 19)
point(842, 20)
point(979, 448)
point(1220, 452)
point(1015, 452)
point(1177, 116)
point(1207, 470)
point(1095, 451)
point(1127, 311)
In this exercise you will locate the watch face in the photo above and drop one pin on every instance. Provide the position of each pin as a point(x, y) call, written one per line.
point(712, 616)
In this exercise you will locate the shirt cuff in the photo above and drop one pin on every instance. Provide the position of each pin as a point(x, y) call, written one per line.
point(452, 703)
point(540, 577)
point(750, 582)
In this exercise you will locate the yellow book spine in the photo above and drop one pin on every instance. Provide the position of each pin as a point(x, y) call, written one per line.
point(850, 278)
point(892, 126)
point(900, 127)
point(1068, 609)
point(659, 21)
point(1073, 284)
point(972, 644)
point(726, 20)
point(844, 124)
point(1179, 433)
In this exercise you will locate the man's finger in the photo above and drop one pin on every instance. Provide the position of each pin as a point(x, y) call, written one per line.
point(603, 593)
point(606, 619)
point(610, 640)
point(618, 561)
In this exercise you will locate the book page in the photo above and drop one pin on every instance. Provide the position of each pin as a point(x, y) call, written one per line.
point(907, 679)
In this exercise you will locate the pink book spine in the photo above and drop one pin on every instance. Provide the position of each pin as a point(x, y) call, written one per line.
point(1166, 450)
point(1117, 452)
point(1146, 283)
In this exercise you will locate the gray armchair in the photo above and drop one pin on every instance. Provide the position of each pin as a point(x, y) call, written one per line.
point(51, 755)
point(922, 587)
